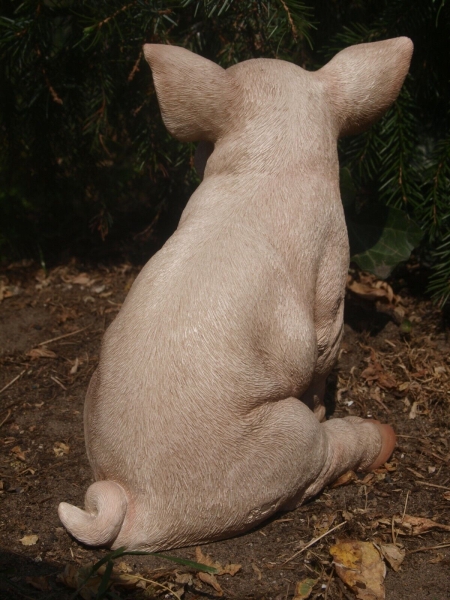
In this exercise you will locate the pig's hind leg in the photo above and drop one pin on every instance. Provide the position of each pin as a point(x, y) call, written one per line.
point(315, 454)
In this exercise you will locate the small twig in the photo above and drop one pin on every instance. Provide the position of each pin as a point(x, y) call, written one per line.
point(114, 15)
point(60, 337)
point(404, 510)
point(290, 19)
point(394, 537)
point(8, 414)
point(12, 381)
point(56, 380)
point(312, 542)
point(157, 583)
point(426, 548)
point(441, 487)
point(135, 68)
point(328, 584)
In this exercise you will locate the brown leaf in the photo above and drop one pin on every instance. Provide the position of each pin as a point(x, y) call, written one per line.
point(42, 352)
point(61, 449)
point(17, 451)
point(371, 288)
point(205, 559)
point(323, 524)
point(386, 381)
point(73, 576)
point(40, 583)
point(375, 372)
point(345, 479)
point(393, 554)
point(184, 578)
point(417, 525)
point(366, 291)
point(437, 559)
point(210, 580)
point(8, 291)
point(81, 279)
point(361, 568)
point(230, 569)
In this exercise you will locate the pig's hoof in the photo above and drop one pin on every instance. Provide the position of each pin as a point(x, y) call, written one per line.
point(388, 439)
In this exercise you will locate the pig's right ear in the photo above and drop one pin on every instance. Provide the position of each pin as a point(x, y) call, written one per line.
point(193, 92)
point(364, 80)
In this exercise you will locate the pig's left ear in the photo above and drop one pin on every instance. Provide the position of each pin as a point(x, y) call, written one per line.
point(363, 81)
point(194, 93)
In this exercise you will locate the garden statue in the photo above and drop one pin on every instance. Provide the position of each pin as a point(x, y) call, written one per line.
point(206, 415)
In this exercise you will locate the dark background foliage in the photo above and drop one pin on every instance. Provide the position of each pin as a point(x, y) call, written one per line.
point(86, 166)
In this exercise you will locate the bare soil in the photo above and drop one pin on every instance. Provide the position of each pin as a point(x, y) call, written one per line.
point(397, 371)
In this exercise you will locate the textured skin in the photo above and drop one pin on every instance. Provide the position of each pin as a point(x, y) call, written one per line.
point(204, 415)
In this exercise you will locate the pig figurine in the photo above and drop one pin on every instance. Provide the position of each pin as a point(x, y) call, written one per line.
point(205, 415)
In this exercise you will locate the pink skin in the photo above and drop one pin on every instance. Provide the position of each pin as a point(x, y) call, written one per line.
point(212, 376)
point(388, 439)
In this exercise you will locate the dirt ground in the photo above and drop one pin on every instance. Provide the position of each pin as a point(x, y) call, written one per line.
point(394, 365)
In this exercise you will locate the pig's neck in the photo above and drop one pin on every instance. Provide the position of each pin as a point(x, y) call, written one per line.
point(296, 209)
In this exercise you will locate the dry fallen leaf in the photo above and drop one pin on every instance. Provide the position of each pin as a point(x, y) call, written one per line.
point(8, 291)
point(376, 373)
point(367, 291)
point(345, 479)
point(61, 449)
point(210, 580)
point(29, 540)
point(230, 569)
point(73, 576)
point(417, 525)
point(81, 279)
point(437, 559)
point(323, 524)
point(446, 495)
point(18, 453)
point(40, 583)
point(184, 578)
point(304, 588)
point(205, 559)
point(393, 554)
point(361, 568)
point(42, 352)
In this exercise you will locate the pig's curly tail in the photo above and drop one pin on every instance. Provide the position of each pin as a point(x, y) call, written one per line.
point(100, 523)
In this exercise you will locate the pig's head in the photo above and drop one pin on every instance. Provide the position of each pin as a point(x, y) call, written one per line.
point(265, 114)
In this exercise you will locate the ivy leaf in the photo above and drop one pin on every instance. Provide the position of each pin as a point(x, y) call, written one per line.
point(381, 238)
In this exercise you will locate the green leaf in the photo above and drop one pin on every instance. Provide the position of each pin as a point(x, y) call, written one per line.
point(180, 561)
point(381, 238)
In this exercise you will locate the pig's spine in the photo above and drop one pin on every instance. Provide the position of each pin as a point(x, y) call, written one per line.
point(98, 525)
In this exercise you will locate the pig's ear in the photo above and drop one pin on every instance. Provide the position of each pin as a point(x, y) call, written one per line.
point(193, 92)
point(364, 80)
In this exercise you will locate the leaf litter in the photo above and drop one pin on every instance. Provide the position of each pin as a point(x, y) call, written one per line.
point(390, 376)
